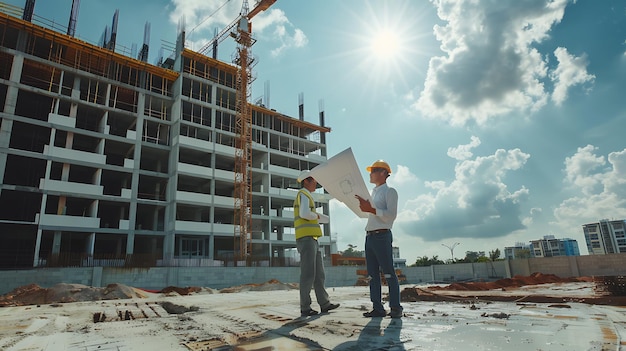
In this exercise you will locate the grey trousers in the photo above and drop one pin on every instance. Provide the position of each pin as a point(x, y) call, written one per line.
point(311, 273)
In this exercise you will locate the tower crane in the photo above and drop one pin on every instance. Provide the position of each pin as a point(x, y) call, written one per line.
point(261, 5)
point(241, 31)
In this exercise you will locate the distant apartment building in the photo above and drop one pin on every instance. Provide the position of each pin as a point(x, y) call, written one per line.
point(605, 236)
point(397, 261)
point(549, 246)
point(520, 250)
point(106, 158)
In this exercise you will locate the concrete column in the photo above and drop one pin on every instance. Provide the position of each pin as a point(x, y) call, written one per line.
point(132, 212)
point(96, 277)
point(6, 127)
point(37, 248)
point(507, 269)
point(10, 102)
point(90, 244)
point(56, 243)
point(211, 246)
point(432, 273)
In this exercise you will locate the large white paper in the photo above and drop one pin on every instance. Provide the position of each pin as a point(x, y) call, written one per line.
point(341, 178)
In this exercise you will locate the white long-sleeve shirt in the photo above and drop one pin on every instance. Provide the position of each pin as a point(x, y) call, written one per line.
point(385, 201)
point(305, 211)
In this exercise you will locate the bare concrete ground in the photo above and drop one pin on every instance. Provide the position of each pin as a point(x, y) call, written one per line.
point(500, 290)
point(529, 313)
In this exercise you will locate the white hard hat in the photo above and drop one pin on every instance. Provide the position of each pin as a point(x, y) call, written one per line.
point(303, 175)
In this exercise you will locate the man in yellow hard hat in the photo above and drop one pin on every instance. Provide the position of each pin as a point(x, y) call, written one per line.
point(382, 212)
point(307, 225)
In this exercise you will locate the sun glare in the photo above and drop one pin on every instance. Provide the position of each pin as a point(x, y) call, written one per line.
point(388, 41)
point(385, 45)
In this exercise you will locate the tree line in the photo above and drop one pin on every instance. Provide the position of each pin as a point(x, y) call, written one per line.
point(470, 257)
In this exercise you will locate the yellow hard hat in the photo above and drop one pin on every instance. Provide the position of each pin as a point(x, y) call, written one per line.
point(379, 164)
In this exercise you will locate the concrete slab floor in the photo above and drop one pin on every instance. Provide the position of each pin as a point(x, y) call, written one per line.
point(269, 320)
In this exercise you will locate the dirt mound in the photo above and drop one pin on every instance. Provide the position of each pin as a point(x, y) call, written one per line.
point(601, 296)
point(173, 308)
point(515, 282)
point(270, 285)
point(181, 291)
point(33, 294)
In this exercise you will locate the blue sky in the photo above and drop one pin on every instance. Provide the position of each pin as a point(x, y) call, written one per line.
point(503, 121)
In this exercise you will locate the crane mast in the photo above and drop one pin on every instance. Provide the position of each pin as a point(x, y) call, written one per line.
point(243, 130)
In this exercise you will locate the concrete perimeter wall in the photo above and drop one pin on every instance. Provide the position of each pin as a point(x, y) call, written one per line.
point(157, 278)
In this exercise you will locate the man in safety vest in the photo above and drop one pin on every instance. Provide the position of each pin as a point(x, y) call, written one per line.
point(307, 226)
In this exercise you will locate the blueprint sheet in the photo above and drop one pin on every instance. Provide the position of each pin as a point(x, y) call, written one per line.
point(341, 178)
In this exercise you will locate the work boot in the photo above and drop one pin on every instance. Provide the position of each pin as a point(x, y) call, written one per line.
point(331, 306)
point(375, 313)
point(395, 313)
point(309, 312)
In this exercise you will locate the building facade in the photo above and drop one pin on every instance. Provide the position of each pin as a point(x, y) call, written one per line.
point(550, 246)
point(605, 236)
point(105, 158)
point(398, 262)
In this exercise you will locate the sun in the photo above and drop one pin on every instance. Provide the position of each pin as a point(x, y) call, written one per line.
point(385, 45)
point(388, 43)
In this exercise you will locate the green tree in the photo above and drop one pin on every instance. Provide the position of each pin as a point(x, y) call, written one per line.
point(494, 255)
point(351, 252)
point(425, 261)
point(472, 256)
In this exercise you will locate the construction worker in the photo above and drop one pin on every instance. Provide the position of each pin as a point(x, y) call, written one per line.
point(382, 212)
point(306, 224)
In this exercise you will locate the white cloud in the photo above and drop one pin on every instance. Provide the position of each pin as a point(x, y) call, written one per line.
point(491, 67)
point(571, 71)
point(463, 152)
point(582, 170)
point(402, 176)
point(535, 213)
point(476, 204)
point(284, 33)
point(266, 20)
point(599, 188)
point(616, 181)
point(202, 17)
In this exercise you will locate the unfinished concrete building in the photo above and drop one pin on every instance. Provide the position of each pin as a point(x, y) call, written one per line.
point(108, 160)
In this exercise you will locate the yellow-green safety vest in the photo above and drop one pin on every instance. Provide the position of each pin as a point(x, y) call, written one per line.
point(305, 227)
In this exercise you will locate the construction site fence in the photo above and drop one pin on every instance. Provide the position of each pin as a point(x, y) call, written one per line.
point(151, 260)
point(183, 273)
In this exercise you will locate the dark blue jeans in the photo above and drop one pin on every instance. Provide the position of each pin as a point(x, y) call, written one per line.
point(379, 257)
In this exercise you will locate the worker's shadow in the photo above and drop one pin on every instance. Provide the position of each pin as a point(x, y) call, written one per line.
point(286, 329)
point(372, 337)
